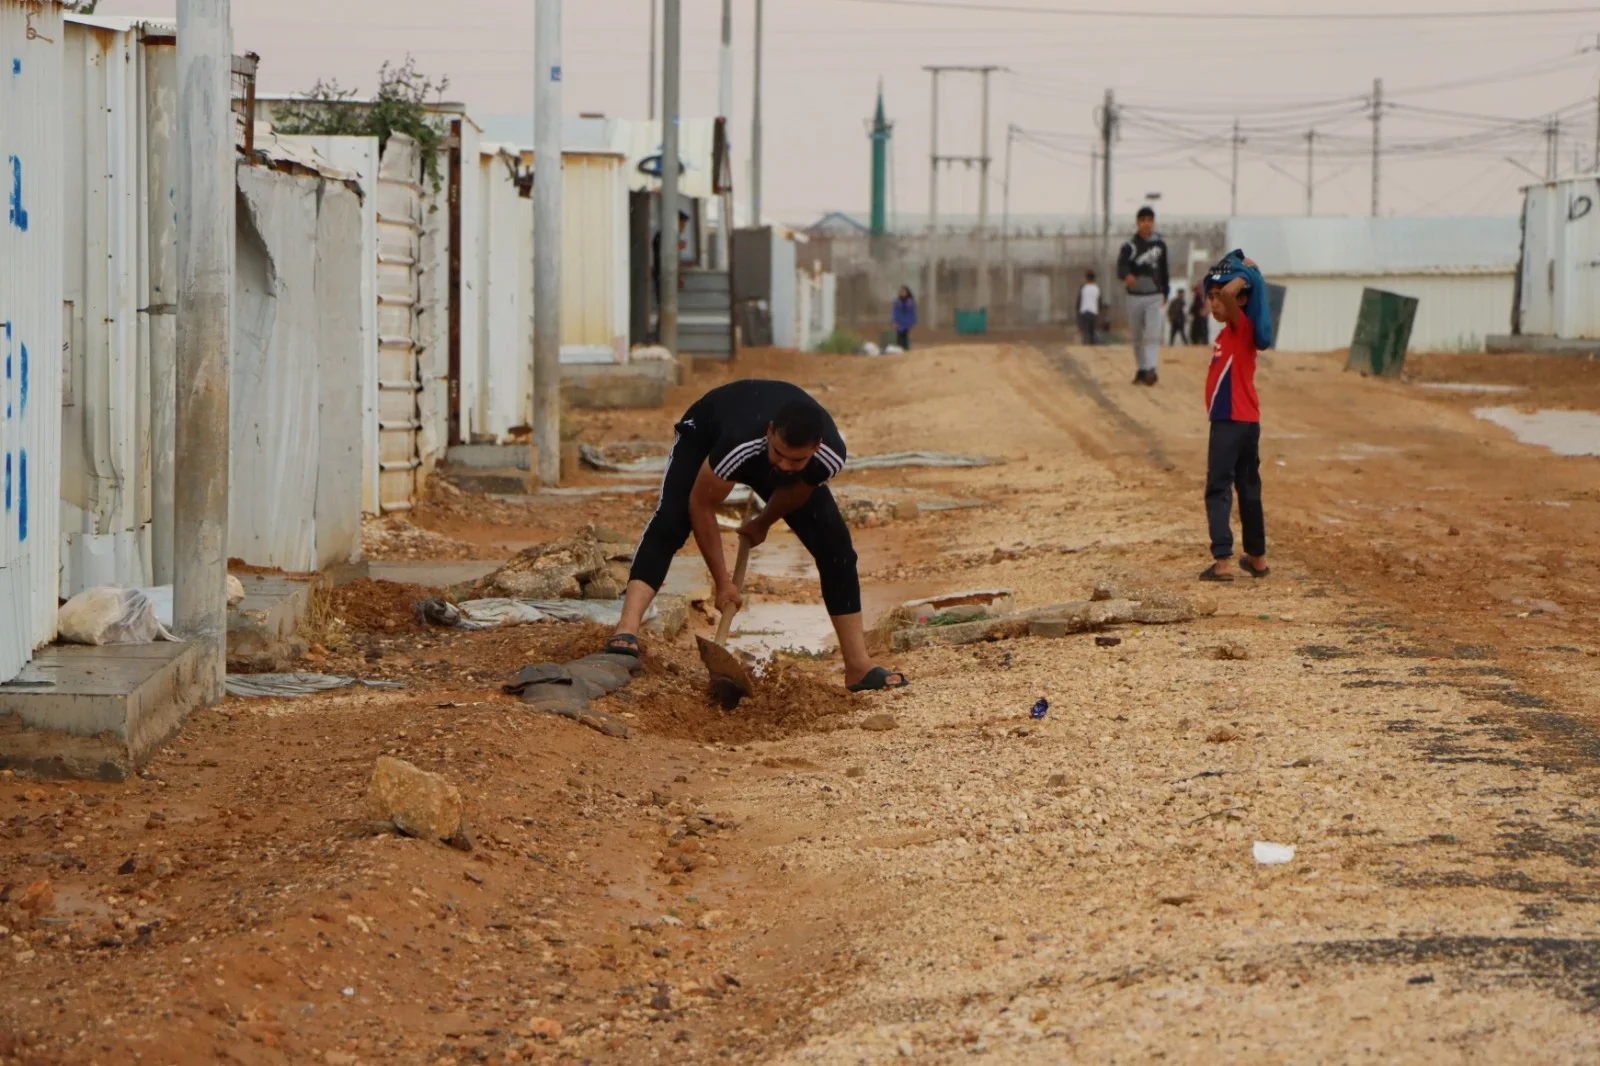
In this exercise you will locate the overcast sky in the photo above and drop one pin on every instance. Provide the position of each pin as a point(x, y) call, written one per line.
point(1183, 80)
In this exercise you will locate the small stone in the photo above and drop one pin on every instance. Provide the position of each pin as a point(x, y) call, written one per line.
point(1231, 652)
point(905, 1049)
point(545, 1028)
point(1454, 532)
point(880, 723)
point(662, 1000)
point(661, 952)
point(856, 771)
point(417, 802)
point(1107, 642)
point(39, 898)
point(1057, 781)
point(163, 867)
point(128, 867)
point(470, 876)
point(709, 920)
point(1223, 735)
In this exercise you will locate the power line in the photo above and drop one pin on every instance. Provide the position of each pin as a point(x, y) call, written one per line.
point(1239, 16)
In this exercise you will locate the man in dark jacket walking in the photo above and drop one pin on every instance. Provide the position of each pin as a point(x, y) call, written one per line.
point(1142, 266)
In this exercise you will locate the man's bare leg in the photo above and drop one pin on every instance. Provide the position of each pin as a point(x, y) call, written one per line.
point(853, 646)
point(636, 601)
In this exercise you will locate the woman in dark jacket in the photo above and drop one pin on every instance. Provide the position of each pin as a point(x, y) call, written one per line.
point(905, 317)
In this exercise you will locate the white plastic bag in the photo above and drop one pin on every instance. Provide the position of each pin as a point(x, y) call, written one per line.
point(1270, 854)
point(108, 615)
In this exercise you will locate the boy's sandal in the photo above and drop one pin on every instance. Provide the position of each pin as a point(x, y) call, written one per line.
point(878, 678)
point(625, 644)
point(1251, 569)
point(1210, 574)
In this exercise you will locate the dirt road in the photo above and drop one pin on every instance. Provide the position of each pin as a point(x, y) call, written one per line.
point(1413, 714)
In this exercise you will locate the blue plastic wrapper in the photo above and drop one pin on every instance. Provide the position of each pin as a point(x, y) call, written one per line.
point(1039, 709)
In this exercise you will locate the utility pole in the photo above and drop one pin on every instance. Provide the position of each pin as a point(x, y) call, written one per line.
point(1108, 126)
point(1005, 193)
point(670, 257)
point(930, 288)
point(755, 128)
point(206, 182)
point(1377, 143)
point(1552, 150)
point(725, 112)
point(1597, 133)
point(654, 40)
point(1311, 141)
point(983, 196)
point(548, 182)
point(1233, 209)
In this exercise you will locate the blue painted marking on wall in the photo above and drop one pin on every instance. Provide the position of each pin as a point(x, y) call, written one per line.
point(8, 482)
point(18, 214)
point(16, 66)
point(22, 495)
point(23, 386)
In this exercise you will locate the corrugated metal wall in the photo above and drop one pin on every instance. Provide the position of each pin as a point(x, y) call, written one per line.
point(294, 497)
point(1561, 260)
point(505, 340)
point(360, 155)
point(594, 259)
point(31, 325)
point(106, 489)
point(1454, 312)
point(399, 252)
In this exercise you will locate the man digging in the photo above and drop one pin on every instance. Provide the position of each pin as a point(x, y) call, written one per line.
point(773, 437)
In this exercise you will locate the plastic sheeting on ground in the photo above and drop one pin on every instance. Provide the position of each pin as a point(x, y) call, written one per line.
point(294, 685)
point(502, 611)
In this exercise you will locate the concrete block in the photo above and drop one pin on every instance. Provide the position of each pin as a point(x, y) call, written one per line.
point(490, 456)
point(631, 385)
point(97, 712)
point(270, 614)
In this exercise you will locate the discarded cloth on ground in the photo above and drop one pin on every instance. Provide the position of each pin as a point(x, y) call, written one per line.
point(293, 685)
point(500, 611)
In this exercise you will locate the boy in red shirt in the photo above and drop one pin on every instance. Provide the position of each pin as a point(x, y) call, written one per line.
point(1236, 293)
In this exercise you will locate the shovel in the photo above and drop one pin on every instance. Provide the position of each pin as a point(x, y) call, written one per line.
point(730, 680)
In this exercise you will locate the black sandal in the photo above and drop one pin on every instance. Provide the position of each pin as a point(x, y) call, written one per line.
point(1210, 574)
point(878, 678)
point(625, 644)
point(1249, 568)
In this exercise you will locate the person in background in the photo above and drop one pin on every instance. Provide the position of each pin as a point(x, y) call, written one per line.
point(1177, 320)
point(1237, 296)
point(905, 317)
point(1142, 266)
point(1199, 315)
point(1088, 307)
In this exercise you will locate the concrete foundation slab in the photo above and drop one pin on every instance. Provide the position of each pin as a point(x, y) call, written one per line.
point(1509, 343)
point(431, 573)
point(96, 712)
point(491, 456)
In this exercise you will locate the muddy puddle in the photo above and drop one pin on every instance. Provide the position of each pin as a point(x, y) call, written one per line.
point(1563, 432)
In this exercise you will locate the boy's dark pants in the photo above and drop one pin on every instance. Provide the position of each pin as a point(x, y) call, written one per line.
point(1234, 461)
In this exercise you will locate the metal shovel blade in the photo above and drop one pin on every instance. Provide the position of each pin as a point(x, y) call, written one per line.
point(730, 679)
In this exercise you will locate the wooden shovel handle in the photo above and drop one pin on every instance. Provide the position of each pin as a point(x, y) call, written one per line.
point(740, 564)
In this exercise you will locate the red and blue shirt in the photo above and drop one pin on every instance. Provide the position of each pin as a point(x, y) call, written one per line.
point(1231, 381)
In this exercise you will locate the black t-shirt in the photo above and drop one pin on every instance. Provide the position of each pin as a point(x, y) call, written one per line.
point(731, 421)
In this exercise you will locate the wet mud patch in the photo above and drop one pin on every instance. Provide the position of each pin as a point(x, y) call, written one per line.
point(1537, 841)
point(1566, 966)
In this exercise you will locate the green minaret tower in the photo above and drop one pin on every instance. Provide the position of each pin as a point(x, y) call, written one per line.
point(880, 168)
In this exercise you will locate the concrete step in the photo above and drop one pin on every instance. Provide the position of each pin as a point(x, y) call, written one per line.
point(490, 456)
point(96, 713)
point(269, 615)
point(706, 281)
point(504, 481)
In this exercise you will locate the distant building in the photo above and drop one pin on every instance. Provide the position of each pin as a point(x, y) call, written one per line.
point(836, 224)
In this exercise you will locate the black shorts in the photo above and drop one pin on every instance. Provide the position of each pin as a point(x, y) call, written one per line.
point(817, 523)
